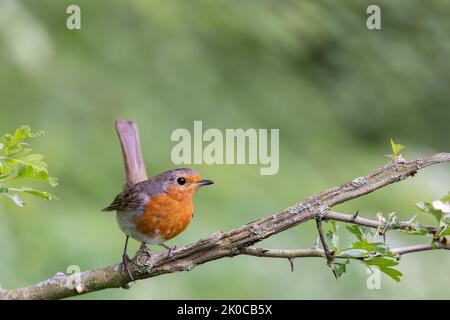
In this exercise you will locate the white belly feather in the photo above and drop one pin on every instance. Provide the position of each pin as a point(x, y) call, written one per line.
point(126, 223)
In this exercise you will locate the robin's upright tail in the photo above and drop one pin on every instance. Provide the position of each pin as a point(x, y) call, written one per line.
point(134, 162)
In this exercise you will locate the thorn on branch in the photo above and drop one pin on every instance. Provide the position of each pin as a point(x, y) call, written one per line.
point(355, 215)
point(291, 261)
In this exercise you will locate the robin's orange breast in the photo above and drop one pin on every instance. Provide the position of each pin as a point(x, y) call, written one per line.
point(165, 216)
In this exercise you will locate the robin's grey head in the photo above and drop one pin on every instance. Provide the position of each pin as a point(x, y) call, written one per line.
point(181, 180)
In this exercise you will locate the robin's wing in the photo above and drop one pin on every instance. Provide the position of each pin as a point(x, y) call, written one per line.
point(125, 201)
point(134, 196)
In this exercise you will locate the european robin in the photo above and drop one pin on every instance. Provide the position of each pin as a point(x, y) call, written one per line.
point(156, 210)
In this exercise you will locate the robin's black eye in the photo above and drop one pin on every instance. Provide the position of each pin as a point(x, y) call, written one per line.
point(181, 181)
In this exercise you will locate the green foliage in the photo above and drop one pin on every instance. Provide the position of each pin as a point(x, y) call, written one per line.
point(370, 253)
point(440, 210)
point(386, 266)
point(332, 234)
point(356, 231)
point(445, 231)
point(396, 150)
point(446, 198)
point(428, 208)
point(419, 229)
point(18, 163)
point(340, 267)
point(377, 254)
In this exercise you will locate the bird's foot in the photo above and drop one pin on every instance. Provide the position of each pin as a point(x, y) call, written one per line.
point(126, 265)
point(168, 250)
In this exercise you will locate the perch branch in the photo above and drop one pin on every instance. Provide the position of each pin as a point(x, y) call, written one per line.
point(224, 244)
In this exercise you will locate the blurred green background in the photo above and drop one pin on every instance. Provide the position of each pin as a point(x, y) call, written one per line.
point(336, 90)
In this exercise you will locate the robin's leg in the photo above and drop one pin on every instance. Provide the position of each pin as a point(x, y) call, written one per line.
point(126, 259)
point(169, 250)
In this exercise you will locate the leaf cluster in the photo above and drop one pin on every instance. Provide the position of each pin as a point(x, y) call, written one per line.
point(17, 162)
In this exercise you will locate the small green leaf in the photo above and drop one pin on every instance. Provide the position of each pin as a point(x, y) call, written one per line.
point(27, 171)
point(373, 248)
point(446, 198)
point(4, 170)
point(334, 226)
point(385, 265)
point(428, 207)
point(354, 253)
point(339, 268)
point(13, 142)
point(18, 153)
point(393, 273)
point(356, 231)
point(41, 194)
point(14, 197)
point(445, 231)
point(333, 239)
point(381, 262)
point(419, 229)
point(396, 149)
point(332, 234)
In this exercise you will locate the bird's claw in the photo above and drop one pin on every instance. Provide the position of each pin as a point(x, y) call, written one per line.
point(126, 265)
point(168, 250)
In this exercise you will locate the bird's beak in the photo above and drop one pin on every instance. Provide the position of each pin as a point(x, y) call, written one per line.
point(205, 182)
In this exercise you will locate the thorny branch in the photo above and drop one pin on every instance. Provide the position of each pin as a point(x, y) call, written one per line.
point(239, 241)
point(317, 252)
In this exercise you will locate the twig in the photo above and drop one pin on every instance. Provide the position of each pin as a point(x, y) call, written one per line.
point(420, 247)
point(323, 239)
point(303, 253)
point(372, 223)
